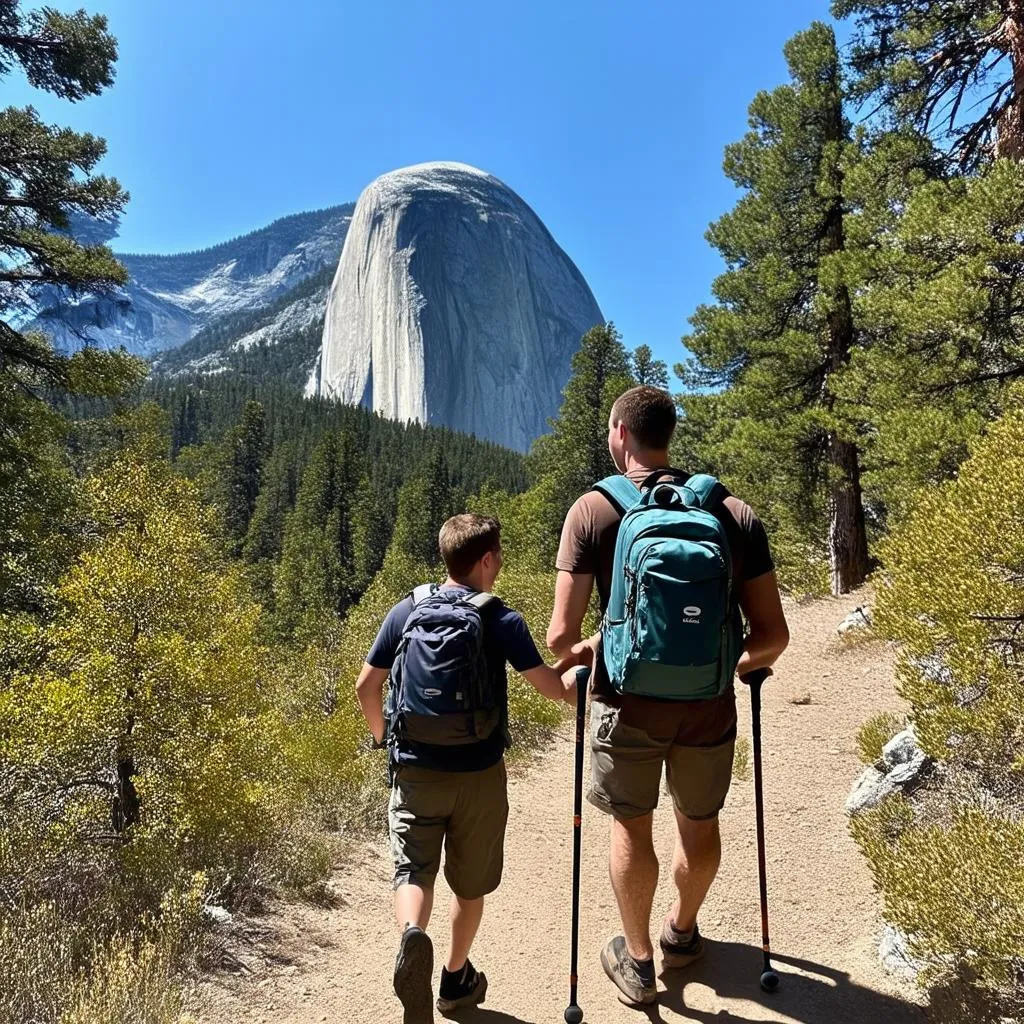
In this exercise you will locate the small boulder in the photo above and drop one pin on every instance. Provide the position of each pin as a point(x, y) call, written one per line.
point(859, 618)
point(869, 790)
point(217, 916)
point(900, 749)
point(894, 952)
point(907, 776)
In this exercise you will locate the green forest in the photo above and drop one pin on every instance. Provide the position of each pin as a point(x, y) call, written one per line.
point(193, 567)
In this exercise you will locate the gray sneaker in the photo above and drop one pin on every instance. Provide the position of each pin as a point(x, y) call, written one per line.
point(676, 954)
point(414, 967)
point(633, 978)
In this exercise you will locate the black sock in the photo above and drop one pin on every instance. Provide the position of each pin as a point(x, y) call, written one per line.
point(455, 984)
point(645, 968)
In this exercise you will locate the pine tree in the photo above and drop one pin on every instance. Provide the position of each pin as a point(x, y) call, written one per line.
point(647, 370)
point(316, 575)
point(575, 453)
point(46, 175)
point(372, 523)
point(424, 503)
point(245, 451)
point(782, 329)
point(954, 69)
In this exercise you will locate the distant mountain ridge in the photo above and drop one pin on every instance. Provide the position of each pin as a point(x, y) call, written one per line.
point(170, 299)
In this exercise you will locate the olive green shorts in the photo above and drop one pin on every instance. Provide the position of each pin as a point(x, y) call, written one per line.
point(626, 760)
point(465, 812)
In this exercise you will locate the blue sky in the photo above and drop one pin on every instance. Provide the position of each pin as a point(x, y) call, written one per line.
point(608, 118)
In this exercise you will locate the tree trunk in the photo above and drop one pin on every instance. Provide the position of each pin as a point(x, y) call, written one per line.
point(1010, 135)
point(847, 532)
point(847, 536)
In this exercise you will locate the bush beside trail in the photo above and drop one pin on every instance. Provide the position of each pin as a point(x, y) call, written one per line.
point(950, 861)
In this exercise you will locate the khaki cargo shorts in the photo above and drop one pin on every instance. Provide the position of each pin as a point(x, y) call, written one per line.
point(626, 759)
point(466, 812)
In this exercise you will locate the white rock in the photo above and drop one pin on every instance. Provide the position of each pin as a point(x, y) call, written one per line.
point(900, 749)
point(217, 915)
point(904, 776)
point(453, 305)
point(868, 791)
point(894, 952)
point(859, 618)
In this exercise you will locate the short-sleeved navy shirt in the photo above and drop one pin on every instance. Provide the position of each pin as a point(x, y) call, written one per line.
point(506, 638)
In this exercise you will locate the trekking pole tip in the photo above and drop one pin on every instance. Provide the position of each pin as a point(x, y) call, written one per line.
point(573, 1014)
point(769, 980)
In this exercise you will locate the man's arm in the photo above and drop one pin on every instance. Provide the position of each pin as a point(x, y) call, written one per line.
point(370, 692)
point(572, 595)
point(769, 634)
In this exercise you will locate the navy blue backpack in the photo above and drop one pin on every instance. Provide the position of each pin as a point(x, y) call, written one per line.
point(444, 689)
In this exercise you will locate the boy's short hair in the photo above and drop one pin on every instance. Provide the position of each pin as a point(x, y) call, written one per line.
point(649, 414)
point(465, 539)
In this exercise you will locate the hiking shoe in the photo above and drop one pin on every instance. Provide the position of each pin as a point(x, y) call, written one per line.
point(467, 987)
point(676, 953)
point(633, 978)
point(414, 967)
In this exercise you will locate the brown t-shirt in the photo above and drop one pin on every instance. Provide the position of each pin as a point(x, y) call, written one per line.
point(588, 546)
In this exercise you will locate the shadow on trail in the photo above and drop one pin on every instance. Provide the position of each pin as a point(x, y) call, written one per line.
point(810, 993)
point(815, 995)
point(483, 1015)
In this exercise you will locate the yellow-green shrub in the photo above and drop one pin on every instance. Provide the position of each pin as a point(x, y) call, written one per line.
point(875, 733)
point(952, 873)
point(154, 662)
point(953, 596)
point(956, 888)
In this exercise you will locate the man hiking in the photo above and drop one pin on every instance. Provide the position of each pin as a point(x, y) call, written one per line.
point(634, 734)
point(445, 649)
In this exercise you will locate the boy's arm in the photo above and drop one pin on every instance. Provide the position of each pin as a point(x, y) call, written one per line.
point(370, 692)
point(549, 683)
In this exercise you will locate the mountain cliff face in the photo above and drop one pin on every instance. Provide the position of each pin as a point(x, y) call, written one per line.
point(453, 305)
point(171, 298)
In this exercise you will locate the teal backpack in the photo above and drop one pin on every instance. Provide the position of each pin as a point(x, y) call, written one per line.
point(672, 628)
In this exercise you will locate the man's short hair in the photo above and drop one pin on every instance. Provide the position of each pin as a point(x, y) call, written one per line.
point(465, 539)
point(649, 414)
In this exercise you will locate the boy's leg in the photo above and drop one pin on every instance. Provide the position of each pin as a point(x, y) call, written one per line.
point(465, 918)
point(698, 780)
point(475, 853)
point(413, 904)
point(698, 853)
point(418, 813)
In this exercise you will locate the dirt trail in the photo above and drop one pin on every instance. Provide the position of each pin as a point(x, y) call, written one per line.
point(335, 965)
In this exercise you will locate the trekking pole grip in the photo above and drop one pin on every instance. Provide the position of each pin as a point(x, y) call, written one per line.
point(757, 677)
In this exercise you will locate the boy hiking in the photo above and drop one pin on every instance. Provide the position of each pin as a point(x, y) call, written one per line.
point(675, 559)
point(445, 649)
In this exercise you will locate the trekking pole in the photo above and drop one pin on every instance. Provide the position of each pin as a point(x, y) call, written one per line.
point(573, 1014)
point(769, 979)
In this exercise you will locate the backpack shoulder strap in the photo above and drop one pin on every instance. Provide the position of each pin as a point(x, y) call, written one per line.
point(620, 491)
point(422, 592)
point(480, 600)
point(708, 491)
